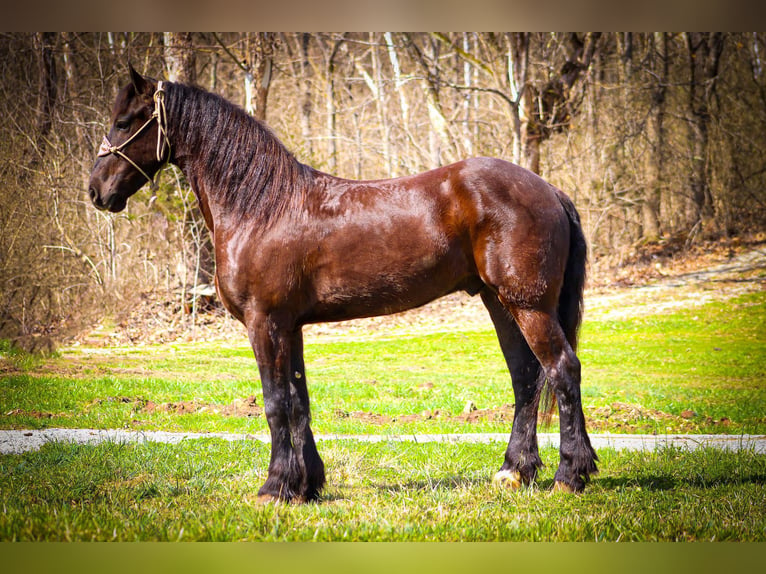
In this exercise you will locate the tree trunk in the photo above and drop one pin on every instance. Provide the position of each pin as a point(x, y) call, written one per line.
point(658, 62)
point(380, 103)
point(549, 107)
point(704, 56)
point(331, 52)
point(518, 67)
point(439, 140)
point(469, 98)
point(404, 105)
point(306, 106)
point(530, 116)
point(260, 54)
point(180, 58)
point(45, 43)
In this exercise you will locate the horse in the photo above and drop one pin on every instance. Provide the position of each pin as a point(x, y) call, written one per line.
point(295, 246)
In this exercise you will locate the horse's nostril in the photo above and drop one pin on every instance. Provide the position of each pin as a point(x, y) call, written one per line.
point(95, 198)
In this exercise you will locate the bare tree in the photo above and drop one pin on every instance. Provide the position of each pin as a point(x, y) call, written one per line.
point(180, 57)
point(427, 60)
point(658, 72)
point(45, 43)
point(704, 54)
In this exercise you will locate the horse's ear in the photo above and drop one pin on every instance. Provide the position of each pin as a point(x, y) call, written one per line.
point(141, 84)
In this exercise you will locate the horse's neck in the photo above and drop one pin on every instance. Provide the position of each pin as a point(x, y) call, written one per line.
point(217, 202)
point(190, 166)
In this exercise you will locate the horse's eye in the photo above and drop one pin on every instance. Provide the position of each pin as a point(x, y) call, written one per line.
point(122, 124)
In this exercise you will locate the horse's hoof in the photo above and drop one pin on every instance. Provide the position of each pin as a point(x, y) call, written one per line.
point(267, 499)
point(508, 479)
point(270, 498)
point(559, 486)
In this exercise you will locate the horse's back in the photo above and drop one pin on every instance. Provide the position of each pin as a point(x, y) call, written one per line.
point(494, 179)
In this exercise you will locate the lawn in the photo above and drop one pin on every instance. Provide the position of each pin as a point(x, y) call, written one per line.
point(697, 371)
point(206, 490)
point(694, 371)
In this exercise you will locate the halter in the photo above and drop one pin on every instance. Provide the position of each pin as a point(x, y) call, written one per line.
point(161, 115)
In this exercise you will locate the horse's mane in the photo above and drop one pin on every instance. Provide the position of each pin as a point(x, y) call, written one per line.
point(245, 165)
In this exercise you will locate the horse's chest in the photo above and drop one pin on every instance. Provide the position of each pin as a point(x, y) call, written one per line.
point(260, 278)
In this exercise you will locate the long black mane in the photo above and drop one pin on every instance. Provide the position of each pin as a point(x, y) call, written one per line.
point(240, 161)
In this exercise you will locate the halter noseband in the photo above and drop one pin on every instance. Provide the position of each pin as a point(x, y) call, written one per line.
point(160, 114)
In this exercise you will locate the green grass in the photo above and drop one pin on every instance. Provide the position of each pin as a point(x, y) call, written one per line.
point(699, 371)
point(205, 490)
point(695, 371)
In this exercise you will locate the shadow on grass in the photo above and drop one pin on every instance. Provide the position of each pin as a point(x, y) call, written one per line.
point(652, 483)
point(663, 482)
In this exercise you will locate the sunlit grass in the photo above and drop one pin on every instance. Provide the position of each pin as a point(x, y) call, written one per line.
point(702, 370)
point(205, 490)
point(696, 371)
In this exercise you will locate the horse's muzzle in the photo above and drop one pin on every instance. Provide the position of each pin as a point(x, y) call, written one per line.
point(114, 203)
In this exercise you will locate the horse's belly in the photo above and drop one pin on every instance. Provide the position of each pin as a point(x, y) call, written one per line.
point(385, 288)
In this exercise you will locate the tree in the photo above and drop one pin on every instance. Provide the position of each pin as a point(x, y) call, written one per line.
point(180, 57)
point(45, 42)
point(260, 67)
point(657, 62)
point(555, 98)
point(427, 59)
point(705, 51)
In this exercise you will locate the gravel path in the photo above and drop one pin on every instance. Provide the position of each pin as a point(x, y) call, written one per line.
point(20, 441)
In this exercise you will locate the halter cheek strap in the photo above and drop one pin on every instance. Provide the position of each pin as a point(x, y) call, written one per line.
point(160, 114)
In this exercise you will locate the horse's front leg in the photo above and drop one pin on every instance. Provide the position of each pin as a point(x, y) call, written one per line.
point(271, 346)
point(304, 447)
point(295, 469)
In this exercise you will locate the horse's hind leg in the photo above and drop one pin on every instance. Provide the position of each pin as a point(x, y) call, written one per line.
point(544, 334)
point(521, 457)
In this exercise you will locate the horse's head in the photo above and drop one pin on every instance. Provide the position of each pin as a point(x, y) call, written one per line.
point(135, 148)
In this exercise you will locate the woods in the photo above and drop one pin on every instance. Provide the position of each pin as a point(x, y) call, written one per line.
point(658, 138)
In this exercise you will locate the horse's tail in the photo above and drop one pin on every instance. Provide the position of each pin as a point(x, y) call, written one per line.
point(571, 296)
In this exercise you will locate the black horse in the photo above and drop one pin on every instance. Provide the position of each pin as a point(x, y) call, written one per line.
point(295, 246)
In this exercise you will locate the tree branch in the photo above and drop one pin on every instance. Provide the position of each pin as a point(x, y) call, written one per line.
point(231, 54)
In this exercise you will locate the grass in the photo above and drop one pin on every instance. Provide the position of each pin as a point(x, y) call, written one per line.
point(205, 491)
point(691, 371)
point(698, 371)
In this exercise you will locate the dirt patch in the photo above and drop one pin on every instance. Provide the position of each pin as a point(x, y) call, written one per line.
point(8, 369)
point(36, 414)
point(617, 417)
point(247, 407)
point(503, 413)
point(622, 417)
